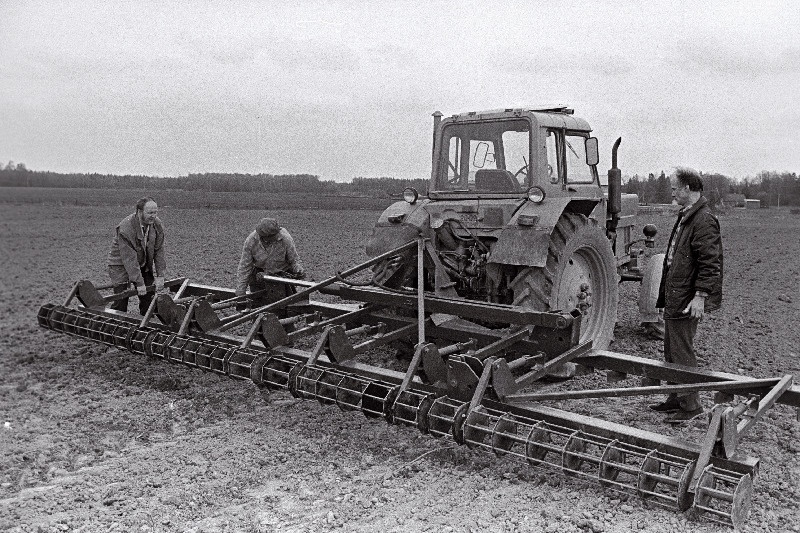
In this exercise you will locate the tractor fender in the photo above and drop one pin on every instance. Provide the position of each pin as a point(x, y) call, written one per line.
point(399, 223)
point(525, 239)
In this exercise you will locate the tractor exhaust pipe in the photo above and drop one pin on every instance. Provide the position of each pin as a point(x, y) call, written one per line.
point(614, 194)
point(614, 183)
point(437, 119)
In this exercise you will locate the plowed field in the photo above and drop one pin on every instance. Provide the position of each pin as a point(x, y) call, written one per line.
point(96, 439)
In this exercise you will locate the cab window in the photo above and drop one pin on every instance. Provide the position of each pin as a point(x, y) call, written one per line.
point(577, 169)
point(490, 157)
point(553, 168)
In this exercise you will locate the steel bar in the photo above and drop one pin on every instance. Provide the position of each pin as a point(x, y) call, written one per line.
point(71, 294)
point(230, 302)
point(642, 391)
point(459, 347)
point(339, 319)
point(251, 334)
point(134, 292)
point(566, 357)
point(764, 403)
point(149, 313)
point(187, 318)
point(462, 307)
point(386, 338)
point(661, 371)
point(420, 291)
point(500, 344)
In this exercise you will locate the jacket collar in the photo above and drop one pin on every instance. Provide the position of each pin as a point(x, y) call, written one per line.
point(694, 209)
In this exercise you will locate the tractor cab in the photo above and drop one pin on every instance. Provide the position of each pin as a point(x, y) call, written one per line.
point(514, 153)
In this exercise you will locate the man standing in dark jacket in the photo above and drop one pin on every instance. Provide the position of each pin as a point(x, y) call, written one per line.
point(137, 255)
point(691, 284)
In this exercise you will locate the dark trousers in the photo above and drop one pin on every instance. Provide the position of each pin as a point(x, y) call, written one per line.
point(679, 349)
point(144, 301)
point(273, 292)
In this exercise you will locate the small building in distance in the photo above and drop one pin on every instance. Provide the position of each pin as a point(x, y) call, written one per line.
point(734, 200)
point(752, 203)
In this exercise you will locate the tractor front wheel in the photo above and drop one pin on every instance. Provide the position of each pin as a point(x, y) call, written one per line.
point(580, 273)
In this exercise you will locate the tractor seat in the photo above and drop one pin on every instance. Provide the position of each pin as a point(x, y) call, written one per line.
point(495, 180)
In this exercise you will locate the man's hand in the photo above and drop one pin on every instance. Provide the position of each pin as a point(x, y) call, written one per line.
point(696, 307)
point(159, 283)
point(141, 290)
point(300, 274)
point(243, 304)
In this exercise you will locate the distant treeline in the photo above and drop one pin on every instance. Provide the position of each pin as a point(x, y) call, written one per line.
point(17, 175)
point(772, 188)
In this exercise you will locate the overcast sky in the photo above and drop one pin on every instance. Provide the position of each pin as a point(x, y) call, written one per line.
point(345, 89)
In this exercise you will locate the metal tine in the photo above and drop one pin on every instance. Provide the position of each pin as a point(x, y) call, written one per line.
point(300, 318)
point(340, 319)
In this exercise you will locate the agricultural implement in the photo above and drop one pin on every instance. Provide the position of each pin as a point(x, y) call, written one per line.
point(501, 278)
point(486, 388)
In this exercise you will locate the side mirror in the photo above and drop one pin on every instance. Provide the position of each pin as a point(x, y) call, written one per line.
point(592, 152)
point(481, 153)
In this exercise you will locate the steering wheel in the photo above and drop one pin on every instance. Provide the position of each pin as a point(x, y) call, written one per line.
point(523, 170)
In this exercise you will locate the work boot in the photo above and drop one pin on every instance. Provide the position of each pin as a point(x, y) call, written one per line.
point(669, 406)
point(654, 330)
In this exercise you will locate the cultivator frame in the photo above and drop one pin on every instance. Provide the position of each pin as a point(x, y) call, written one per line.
point(465, 382)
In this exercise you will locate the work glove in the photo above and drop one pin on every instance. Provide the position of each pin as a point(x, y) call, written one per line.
point(141, 290)
point(159, 283)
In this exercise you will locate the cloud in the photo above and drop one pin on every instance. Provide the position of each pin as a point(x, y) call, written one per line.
point(715, 57)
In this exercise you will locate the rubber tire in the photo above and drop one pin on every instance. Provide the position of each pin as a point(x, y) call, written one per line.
point(579, 252)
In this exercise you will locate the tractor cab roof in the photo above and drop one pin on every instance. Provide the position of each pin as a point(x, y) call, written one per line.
point(552, 116)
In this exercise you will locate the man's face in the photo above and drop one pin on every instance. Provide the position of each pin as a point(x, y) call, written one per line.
point(680, 193)
point(149, 212)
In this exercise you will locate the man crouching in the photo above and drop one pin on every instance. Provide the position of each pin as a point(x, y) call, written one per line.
point(269, 249)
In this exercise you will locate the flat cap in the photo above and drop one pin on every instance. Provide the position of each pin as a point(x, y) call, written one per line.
point(267, 227)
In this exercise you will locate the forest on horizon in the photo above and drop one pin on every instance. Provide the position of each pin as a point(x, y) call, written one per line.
point(770, 187)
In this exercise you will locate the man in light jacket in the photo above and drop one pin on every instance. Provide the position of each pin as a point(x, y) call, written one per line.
point(269, 249)
point(137, 255)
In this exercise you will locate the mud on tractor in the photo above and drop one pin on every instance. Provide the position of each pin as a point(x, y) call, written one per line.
point(505, 273)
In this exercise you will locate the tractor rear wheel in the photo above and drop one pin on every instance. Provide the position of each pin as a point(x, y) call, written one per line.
point(581, 272)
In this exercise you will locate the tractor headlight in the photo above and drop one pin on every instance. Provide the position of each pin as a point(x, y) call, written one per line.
point(536, 195)
point(410, 195)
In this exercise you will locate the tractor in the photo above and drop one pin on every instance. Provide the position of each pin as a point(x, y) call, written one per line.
point(518, 215)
